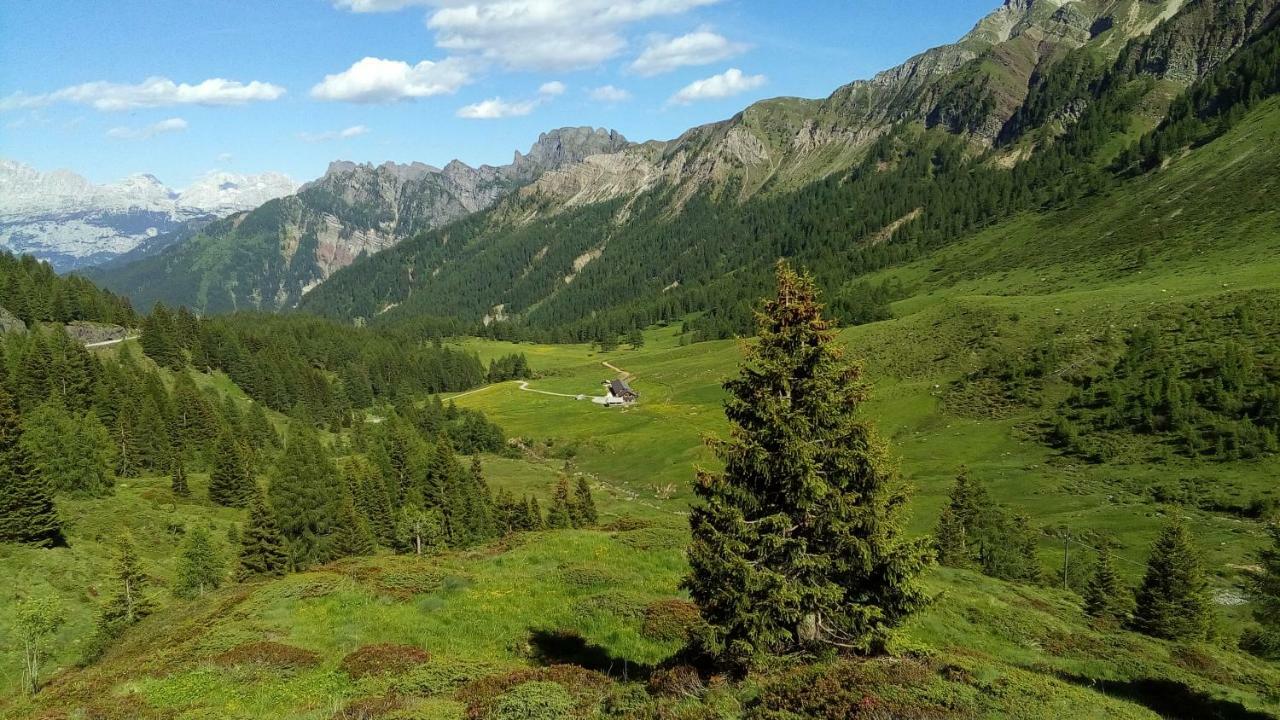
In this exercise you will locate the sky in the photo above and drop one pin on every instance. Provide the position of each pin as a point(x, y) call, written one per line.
point(181, 88)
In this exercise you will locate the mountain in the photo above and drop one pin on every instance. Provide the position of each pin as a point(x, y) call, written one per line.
point(61, 217)
point(270, 257)
point(1027, 107)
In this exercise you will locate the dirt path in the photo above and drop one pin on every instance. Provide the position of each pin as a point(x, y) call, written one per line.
point(622, 374)
point(106, 343)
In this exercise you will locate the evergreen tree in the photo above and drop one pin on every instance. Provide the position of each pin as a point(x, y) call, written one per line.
point(561, 514)
point(178, 481)
point(72, 452)
point(231, 481)
point(1264, 587)
point(200, 569)
point(798, 543)
point(352, 536)
point(533, 515)
point(371, 499)
point(262, 546)
point(484, 512)
point(586, 504)
point(160, 338)
point(27, 512)
point(129, 602)
point(961, 522)
point(1173, 601)
point(306, 490)
point(1104, 597)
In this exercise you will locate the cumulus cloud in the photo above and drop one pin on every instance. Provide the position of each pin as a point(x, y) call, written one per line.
point(495, 108)
point(533, 34)
point(152, 92)
point(343, 134)
point(610, 94)
point(726, 84)
point(170, 125)
point(664, 54)
point(374, 80)
point(552, 89)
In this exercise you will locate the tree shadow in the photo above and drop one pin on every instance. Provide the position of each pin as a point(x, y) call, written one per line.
point(1170, 699)
point(559, 647)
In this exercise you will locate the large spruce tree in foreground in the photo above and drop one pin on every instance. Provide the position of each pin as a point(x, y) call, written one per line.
point(27, 512)
point(1173, 601)
point(798, 543)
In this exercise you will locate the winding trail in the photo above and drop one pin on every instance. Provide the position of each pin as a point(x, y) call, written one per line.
point(524, 384)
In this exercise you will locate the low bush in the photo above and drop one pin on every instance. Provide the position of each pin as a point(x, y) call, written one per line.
point(383, 659)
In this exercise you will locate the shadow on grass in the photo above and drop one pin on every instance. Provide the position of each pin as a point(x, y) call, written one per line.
point(1170, 699)
point(559, 647)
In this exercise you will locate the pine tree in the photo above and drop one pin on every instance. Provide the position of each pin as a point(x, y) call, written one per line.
point(129, 602)
point(307, 491)
point(960, 528)
point(485, 513)
point(262, 546)
point(200, 569)
point(1173, 601)
point(178, 481)
point(231, 482)
point(73, 453)
point(798, 543)
point(586, 504)
point(372, 499)
point(533, 519)
point(1264, 587)
point(1104, 596)
point(352, 536)
point(560, 515)
point(27, 511)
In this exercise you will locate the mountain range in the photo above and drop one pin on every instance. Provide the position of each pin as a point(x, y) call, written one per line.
point(69, 221)
point(270, 257)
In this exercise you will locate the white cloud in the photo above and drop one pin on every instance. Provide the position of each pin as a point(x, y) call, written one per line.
point(665, 54)
point(533, 34)
point(552, 89)
point(225, 157)
point(345, 133)
point(495, 108)
point(728, 83)
point(374, 80)
point(152, 92)
point(170, 125)
point(610, 94)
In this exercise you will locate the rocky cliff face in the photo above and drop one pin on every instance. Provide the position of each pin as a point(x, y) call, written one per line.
point(270, 257)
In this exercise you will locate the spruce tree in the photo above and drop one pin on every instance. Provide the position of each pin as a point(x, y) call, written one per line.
point(27, 511)
point(178, 481)
point(200, 569)
point(798, 541)
point(1173, 601)
point(533, 515)
point(231, 481)
point(352, 536)
point(561, 515)
point(484, 513)
point(963, 521)
point(1104, 596)
point(262, 545)
point(586, 504)
point(129, 601)
point(306, 490)
point(1264, 587)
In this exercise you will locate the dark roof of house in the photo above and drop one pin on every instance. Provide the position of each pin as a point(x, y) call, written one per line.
point(620, 388)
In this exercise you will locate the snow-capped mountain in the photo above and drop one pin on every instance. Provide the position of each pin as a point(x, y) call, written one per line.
point(61, 217)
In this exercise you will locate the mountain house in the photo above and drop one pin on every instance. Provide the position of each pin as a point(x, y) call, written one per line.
point(618, 392)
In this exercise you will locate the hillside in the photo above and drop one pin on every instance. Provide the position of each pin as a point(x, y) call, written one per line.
point(878, 173)
point(267, 259)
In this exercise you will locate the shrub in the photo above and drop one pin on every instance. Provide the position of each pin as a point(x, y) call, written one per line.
point(384, 659)
point(670, 619)
point(653, 538)
point(537, 700)
point(584, 576)
point(586, 687)
point(678, 681)
point(268, 654)
point(370, 708)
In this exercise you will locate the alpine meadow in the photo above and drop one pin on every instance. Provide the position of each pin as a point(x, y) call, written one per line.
point(954, 393)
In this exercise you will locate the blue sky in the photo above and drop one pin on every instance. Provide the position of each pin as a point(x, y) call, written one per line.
point(183, 87)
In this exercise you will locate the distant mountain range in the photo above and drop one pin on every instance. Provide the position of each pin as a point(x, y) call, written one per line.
point(63, 218)
point(270, 257)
